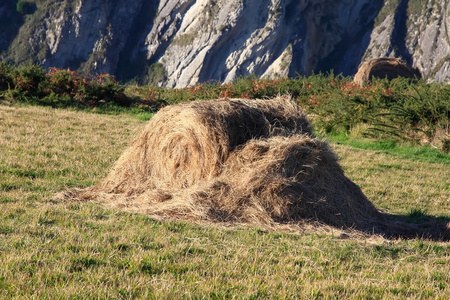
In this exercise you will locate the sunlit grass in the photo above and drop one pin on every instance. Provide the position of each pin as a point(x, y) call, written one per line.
point(61, 250)
point(402, 150)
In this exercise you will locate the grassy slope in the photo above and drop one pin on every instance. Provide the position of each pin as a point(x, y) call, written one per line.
point(50, 249)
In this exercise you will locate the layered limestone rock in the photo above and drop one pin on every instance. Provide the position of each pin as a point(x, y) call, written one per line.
point(222, 39)
point(87, 34)
point(200, 40)
point(218, 40)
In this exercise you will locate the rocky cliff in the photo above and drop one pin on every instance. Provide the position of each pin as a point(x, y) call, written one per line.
point(178, 43)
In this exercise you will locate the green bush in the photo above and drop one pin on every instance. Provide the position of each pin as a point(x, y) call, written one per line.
point(100, 90)
point(61, 88)
point(29, 79)
point(416, 113)
point(25, 7)
point(6, 79)
point(156, 73)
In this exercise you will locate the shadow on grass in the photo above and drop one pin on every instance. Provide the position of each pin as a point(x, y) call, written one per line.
point(412, 226)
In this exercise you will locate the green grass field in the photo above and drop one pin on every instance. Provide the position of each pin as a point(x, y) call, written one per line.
point(78, 250)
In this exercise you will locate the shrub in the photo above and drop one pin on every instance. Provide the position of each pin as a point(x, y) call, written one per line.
point(6, 80)
point(157, 73)
point(61, 88)
point(101, 89)
point(25, 7)
point(63, 81)
point(29, 79)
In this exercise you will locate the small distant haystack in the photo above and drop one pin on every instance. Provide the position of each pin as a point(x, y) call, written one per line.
point(384, 67)
point(245, 161)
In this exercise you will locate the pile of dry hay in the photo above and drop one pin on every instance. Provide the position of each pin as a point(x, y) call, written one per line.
point(243, 161)
point(382, 68)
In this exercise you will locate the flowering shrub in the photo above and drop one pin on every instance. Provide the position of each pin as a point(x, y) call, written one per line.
point(61, 88)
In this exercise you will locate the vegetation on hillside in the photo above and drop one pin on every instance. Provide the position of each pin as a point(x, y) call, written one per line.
point(398, 110)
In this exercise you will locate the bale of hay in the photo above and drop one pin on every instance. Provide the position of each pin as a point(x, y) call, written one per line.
point(384, 67)
point(246, 161)
point(190, 142)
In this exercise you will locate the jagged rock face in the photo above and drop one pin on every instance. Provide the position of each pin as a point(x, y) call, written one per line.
point(204, 40)
point(90, 32)
point(79, 34)
point(200, 40)
point(86, 32)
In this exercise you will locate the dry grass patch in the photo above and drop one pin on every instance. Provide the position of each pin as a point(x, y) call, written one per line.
point(45, 149)
point(397, 184)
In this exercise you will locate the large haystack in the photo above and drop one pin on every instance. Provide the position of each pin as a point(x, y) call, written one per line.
point(246, 161)
point(382, 68)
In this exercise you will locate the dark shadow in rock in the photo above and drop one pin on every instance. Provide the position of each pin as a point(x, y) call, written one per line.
point(348, 54)
point(10, 22)
point(398, 37)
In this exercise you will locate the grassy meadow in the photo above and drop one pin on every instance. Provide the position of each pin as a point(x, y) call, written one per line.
point(52, 249)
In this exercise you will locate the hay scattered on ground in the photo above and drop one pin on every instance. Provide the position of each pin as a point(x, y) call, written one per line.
point(384, 67)
point(239, 161)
